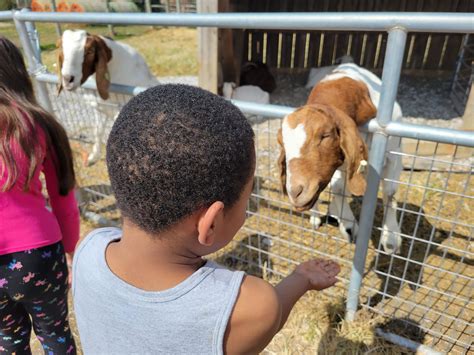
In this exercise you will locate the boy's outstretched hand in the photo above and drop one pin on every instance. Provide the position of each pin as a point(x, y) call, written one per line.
point(320, 273)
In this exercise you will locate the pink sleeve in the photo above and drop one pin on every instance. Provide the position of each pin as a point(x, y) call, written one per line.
point(64, 207)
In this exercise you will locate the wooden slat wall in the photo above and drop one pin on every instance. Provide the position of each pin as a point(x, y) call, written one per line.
point(304, 49)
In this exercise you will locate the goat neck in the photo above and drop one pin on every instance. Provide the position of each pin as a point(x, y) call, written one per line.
point(345, 94)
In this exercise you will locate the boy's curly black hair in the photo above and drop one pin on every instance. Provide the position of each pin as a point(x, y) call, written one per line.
point(174, 149)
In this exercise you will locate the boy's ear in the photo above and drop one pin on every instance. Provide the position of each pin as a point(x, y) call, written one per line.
point(207, 221)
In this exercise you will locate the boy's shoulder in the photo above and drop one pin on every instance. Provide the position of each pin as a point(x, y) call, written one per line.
point(89, 256)
point(99, 236)
point(256, 317)
point(95, 243)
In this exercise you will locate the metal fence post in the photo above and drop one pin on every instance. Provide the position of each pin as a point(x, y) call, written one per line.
point(148, 6)
point(390, 77)
point(111, 27)
point(58, 26)
point(34, 62)
point(32, 34)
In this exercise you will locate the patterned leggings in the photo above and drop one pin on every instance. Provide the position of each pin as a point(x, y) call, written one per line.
point(34, 283)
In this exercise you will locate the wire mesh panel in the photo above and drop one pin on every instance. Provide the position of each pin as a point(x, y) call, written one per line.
point(88, 121)
point(425, 290)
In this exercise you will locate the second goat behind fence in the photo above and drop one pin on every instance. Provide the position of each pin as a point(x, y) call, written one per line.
point(82, 55)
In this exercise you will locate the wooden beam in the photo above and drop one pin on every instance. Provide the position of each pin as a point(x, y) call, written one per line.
point(208, 49)
point(226, 56)
point(468, 117)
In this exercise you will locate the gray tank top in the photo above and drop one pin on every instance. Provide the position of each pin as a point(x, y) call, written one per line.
point(114, 317)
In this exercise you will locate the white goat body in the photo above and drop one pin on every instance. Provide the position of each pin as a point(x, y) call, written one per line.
point(125, 67)
point(249, 93)
point(318, 74)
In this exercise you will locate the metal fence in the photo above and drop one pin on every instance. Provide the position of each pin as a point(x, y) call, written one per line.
point(426, 290)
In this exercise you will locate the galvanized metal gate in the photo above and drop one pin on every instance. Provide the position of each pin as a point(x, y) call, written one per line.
point(429, 285)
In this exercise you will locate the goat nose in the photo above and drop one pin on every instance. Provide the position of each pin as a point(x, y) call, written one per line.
point(296, 191)
point(68, 78)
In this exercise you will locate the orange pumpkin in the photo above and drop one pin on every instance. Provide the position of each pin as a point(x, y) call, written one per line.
point(77, 8)
point(62, 7)
point(36, 6)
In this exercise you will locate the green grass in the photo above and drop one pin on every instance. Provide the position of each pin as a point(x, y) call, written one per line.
point(168, 51)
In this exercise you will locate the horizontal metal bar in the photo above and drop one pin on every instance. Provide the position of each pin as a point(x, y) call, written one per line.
point(393, 128)
point(6, 15)
point(416, 306)
point(433, 158)
point(407, 343)
point(90, 84)
point(428, 188)
point(362, 21)
point(401, 129)
point(412, 238)
point(434, 290)
point(435, 134)
point(263, 110)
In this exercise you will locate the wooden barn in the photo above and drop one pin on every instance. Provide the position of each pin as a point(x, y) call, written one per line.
point(223, 51)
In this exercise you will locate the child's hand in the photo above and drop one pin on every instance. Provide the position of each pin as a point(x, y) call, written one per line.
point(319, 273)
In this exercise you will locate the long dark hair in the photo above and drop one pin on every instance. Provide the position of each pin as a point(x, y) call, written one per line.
point(19, 115)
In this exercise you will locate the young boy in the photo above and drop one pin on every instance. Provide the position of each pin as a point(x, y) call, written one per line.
point(181, 162)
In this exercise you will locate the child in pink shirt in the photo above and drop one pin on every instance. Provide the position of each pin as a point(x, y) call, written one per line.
point(33, 239)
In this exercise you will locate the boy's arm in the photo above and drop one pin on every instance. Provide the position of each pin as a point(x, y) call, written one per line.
point(316, 274)
point(261, 310)
point(255, 318)
point(289, 291)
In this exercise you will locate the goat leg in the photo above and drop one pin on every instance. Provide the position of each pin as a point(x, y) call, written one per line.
point(99, 129)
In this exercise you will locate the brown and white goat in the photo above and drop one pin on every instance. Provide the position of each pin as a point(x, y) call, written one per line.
point(321, 145)
point(82, 55)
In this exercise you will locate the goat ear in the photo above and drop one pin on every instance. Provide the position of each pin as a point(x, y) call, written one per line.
point(282, 162)
point(355, 153)
point(102, 76)
point(59, 63)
